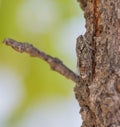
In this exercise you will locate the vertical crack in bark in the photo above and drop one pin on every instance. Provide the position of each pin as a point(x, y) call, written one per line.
point(103, 35)
point(96, 32)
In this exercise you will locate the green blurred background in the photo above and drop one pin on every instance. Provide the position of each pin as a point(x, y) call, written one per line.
point(26, 82)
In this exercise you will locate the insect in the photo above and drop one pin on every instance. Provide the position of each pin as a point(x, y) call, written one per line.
point(84, 55)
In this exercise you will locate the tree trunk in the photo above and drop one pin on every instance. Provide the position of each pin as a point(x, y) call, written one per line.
point(98, 54)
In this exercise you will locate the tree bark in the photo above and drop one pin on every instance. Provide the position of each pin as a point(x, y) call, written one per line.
point(98, 55)
point(98, 59)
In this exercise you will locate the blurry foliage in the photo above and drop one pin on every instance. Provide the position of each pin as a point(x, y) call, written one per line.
point(17, 18)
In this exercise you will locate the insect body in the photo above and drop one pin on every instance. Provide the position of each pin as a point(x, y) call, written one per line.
point(84, 56)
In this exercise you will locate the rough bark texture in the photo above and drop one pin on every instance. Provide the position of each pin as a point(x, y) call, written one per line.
point(98, 54)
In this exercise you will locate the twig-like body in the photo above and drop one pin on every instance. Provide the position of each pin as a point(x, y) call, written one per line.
point(54, 63)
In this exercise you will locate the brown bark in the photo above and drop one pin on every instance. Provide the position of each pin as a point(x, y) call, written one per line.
point(98, 54)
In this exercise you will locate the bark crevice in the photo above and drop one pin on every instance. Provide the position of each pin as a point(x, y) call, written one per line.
point(101, 66)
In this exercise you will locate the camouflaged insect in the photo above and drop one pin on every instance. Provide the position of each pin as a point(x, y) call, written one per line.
point(84, 56)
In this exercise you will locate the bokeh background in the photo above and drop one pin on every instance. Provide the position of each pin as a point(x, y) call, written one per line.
point(31, 95)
